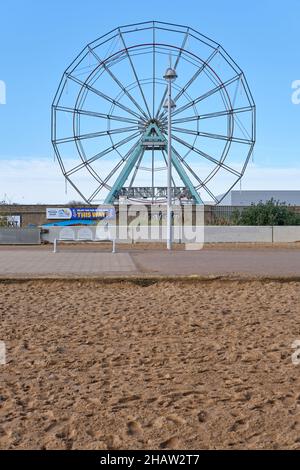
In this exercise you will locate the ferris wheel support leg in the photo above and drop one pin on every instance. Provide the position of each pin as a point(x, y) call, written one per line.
point(185, 179)
point(120, 181)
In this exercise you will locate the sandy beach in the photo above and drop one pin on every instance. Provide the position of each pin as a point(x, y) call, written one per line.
point(154, 365)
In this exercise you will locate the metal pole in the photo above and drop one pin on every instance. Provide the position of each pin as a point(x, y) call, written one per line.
point(169, 181)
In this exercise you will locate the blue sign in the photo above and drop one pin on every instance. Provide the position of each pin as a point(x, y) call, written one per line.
point(94, 213)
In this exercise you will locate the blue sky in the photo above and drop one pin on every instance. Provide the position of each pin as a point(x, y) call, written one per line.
point(38, 40)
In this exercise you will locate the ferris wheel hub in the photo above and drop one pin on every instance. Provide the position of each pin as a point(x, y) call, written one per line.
point(153, 138)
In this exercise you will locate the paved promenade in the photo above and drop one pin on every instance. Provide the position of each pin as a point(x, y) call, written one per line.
point(211, 262)
point(34, 263)
point(27, 262)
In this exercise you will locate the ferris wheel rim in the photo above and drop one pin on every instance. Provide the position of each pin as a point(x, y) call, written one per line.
point(77, 109)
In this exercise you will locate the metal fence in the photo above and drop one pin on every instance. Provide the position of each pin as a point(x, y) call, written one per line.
point(20, 236)
point(224, 213)
point(220, 215)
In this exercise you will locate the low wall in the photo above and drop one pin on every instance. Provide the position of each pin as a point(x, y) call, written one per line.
point(20, 236)
point(187, 234)
point(251, 234)
point(286, 234)
point(237, 234)
point(90, 233)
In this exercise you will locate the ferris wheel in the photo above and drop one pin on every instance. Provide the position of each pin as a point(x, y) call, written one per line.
point(109, 119)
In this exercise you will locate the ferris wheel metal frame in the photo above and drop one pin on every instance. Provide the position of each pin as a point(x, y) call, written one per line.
point(144, 120)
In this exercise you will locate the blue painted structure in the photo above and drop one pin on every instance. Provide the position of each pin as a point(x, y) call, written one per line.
point(153, 139)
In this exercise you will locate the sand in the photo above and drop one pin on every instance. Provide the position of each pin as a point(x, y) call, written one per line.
point(181, 365)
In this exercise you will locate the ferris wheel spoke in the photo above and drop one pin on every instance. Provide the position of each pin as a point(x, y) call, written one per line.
point(97, 191)
point(211, 136)
point(206, 156)
point(96, 134)
point(67, 179)
point(104, 96)
point(209, 192)
point(94, 114)
point(135, 73)
point(103, 153)
point(192, 79)
point(242, 128)
point(175, 67)
point(201, 183)
point(113, 147)
point(117, 81)
point(153, 71)
point(207, 94)
point(201, 117)
point(136, 169)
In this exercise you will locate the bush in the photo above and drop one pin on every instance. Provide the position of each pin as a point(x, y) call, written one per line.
point(270, 213)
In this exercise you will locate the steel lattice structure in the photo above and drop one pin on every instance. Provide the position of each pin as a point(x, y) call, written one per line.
point(109, 125)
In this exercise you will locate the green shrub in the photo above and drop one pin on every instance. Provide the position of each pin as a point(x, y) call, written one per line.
point(270, 213)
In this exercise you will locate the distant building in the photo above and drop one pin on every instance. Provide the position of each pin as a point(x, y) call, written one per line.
point(246, 198)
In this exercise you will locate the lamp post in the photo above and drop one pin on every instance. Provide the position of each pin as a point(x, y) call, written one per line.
point(170, 76)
